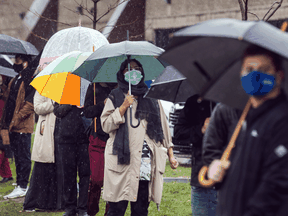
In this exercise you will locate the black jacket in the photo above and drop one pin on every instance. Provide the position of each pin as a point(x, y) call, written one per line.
point(189, 125)
point(92, 111)
point(71, 127)
point(256, 182)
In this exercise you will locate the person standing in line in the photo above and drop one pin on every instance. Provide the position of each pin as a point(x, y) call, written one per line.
point(190, 126)
point(18, 120)
point(98, 139)
point(5, 150)
point(73, 147)
point(135, 157)
point(43, 190)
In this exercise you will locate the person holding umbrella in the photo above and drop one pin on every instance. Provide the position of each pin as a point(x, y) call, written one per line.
point(255, 180)
point(17, 122)
point(135, 156)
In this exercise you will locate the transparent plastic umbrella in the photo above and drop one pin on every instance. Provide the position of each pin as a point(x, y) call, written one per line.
point(72, 39)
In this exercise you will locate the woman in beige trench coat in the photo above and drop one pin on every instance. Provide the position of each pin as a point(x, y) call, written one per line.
point(45, 191)
point(135, 158)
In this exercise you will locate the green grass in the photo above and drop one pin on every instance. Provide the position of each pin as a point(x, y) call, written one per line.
point(181, 171)
point(176, 199)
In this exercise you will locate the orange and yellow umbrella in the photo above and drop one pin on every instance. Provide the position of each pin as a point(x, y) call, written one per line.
point(57, 83)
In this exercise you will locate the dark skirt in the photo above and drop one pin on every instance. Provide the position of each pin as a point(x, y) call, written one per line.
point(46, 187)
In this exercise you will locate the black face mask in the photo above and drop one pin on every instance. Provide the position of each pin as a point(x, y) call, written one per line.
point(18, 67)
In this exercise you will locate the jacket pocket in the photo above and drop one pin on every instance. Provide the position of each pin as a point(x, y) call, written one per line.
point(111, 163)
point(161, 156)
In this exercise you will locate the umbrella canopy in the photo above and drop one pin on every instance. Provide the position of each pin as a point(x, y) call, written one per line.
point(72, 39)
point(7, 71)
point(10, 46)
point(171, 86)
point(105, 62)
point(209, 54)
point(57, 83)
point(6, 67)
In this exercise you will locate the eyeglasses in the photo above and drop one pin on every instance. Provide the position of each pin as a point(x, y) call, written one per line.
point(133, 68)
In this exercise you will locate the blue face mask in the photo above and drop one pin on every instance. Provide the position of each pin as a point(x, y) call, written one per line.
point(257, 83)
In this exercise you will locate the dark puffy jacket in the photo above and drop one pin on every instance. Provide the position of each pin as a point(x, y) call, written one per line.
point(190, 122)
point(92, 111)
point(256, 182)
point(71, 127)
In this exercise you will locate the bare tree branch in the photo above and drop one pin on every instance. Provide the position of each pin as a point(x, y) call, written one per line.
point(254, 14)
point(242, 9)
point(246, 10)
point(77, 13)
point(278, 6)
point(46, 18)
point(109, 9)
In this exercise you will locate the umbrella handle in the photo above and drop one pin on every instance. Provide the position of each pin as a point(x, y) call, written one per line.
point(131, 119)
point(202, 178)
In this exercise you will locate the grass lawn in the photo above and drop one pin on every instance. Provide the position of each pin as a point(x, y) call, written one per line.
point(176, 199)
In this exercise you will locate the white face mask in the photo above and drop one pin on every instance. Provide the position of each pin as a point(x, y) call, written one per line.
point(135, 77)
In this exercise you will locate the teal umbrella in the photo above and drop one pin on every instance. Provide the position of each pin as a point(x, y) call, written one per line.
point(105, 62)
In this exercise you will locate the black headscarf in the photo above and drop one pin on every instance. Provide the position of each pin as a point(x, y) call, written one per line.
point(147, 109)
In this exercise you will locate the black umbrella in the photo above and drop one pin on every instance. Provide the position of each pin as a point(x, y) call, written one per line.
point(209, 55)
point(6, 68)
point(171, 86)
point(10, 46)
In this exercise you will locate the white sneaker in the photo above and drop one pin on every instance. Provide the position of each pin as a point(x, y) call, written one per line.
point(17, 192)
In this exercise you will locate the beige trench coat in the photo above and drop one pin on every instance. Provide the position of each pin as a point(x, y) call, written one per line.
point(121, 181)
point(43, 146)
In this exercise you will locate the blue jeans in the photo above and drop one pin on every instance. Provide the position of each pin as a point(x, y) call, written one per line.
point(20, 145)
point(203, 201)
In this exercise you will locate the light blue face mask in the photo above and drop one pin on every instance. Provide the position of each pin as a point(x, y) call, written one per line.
point(257, 83)
point(135, 77)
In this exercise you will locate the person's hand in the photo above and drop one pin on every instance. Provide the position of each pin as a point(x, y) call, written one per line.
point(173, 162)
point(128, 101)
point(206, 123)
point(217, 170)
point(105, 101)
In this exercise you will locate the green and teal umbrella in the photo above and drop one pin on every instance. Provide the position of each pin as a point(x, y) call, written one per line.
point(105, 62)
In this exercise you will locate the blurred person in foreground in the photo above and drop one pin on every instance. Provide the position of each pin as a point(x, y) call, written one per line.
point(256, 178)
point(93, 108)
point(17, 122)
point(135, 158)
point(191, 127)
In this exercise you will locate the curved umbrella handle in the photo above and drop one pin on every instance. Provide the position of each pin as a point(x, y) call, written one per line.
point(131, 119)
point(202, 178)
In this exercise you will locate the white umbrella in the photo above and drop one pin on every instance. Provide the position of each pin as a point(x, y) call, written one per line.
point(72, 39)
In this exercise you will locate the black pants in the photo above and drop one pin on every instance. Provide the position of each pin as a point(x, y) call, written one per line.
point(75, 157)
point(20, 145)
point(138, 208)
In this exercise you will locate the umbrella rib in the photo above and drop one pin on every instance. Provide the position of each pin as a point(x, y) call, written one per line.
point(45, 85)
point(202, 71)
point(177, 91)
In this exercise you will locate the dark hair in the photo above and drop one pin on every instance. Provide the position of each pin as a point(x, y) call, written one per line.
point(24, 57)
point(125, 63)
point(256, 50)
